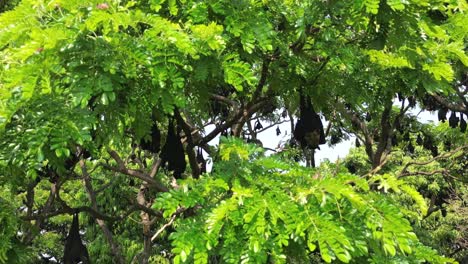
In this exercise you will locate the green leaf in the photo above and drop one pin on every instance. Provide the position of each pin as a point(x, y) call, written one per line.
point(396, 4)
point(183, 256)
point(104, 99)
point(388, 59)
point(372, 6)
point(40, 155)
point(417, 197)
point(237, 73)
point(312, 246)
point(390, 249)
point(440, 71)
point(256, 246)
point(344, 257)
point(111, 96)
point(59, 152)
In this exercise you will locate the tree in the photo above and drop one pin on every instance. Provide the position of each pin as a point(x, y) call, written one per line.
point(83, 83)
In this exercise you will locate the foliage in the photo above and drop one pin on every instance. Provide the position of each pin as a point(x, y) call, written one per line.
point(438, 209)
point(82, 82)
point(263, 209)
point(11, 248)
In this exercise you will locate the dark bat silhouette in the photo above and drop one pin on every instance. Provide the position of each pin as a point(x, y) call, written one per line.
point(309, 128)
point(75, 251)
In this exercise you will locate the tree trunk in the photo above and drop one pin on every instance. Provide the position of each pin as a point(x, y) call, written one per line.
point(146, 227)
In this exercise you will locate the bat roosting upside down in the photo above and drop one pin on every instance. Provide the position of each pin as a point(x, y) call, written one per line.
point(309, 128)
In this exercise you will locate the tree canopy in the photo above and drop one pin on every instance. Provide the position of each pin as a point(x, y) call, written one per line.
point(91, 92)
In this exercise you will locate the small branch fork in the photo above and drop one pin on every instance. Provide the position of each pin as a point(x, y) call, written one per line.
point(135, 173)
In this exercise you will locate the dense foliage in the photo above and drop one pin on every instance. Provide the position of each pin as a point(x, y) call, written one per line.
point(86, 86)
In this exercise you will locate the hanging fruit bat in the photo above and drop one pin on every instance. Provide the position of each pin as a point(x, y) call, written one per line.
point(309, 128)
point(453, 120)
point(173, 152)
point(75, 251)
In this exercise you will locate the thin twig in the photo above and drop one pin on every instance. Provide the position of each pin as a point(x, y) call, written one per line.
point(163, 228)
point(423, 173)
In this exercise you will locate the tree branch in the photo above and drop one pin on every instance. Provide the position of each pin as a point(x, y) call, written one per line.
point(189, 149)
point(423, 173)
point(233, 120)
point(360, 125)
point(134, 173)
point(263, 78)
point(146, 222)
point(441, 156)
point(247, 112)
point(163, 228)
point(223, 99)
point(385, 135)
point(451, 106)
